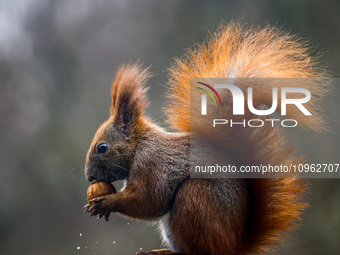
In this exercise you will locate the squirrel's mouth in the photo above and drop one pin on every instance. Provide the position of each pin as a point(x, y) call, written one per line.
point(93, 175)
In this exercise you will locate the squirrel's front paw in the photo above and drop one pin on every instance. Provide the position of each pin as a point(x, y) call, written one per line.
point(99, 206)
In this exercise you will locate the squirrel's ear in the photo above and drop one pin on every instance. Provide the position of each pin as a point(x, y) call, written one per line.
point(129, 94)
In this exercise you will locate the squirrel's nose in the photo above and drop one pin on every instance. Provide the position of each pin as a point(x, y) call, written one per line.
point(90, 178)
point(89, 175)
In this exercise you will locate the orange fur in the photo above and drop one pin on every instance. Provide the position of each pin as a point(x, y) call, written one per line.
point(128, 88)
point(235, 51)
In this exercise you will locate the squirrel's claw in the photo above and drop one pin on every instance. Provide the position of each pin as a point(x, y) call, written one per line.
point(86, 208)
point(98, 208)
point(95, 209)
point(107, 215)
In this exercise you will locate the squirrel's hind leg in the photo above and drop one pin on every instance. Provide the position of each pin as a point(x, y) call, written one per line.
point(208, 216)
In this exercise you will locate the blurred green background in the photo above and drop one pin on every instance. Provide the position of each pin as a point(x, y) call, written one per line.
point(57, 60)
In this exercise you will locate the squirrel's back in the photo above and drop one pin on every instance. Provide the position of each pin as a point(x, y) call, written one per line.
point(235, 51)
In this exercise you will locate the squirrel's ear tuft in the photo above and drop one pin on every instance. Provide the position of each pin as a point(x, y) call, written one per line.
point(129, 93)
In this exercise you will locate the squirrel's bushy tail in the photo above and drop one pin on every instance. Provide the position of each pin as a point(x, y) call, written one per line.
point(235, 51)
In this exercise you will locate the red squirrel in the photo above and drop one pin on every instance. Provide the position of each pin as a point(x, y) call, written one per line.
point(205, 216)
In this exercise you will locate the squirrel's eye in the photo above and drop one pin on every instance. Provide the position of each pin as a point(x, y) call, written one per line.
point(102, 148)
